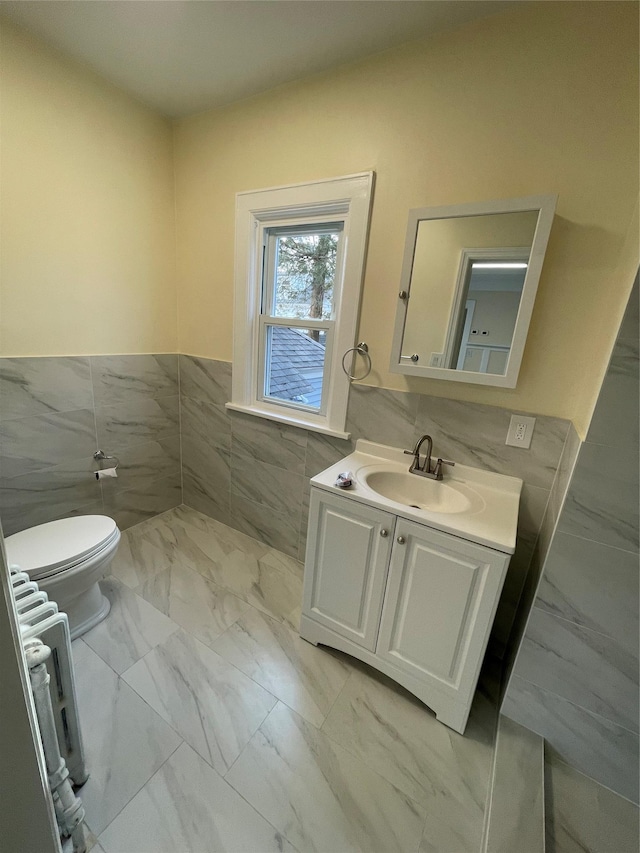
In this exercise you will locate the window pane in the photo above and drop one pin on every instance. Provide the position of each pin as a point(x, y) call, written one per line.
point(305, 268)
point(294, 365)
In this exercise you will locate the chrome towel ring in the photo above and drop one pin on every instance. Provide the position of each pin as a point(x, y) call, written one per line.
point(363, 350)
point(100, 456)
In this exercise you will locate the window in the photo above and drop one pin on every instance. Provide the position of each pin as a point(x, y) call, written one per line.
point(299, 264)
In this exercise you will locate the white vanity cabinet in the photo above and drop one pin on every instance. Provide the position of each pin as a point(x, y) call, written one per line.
point(349, 546)
point(409, 600)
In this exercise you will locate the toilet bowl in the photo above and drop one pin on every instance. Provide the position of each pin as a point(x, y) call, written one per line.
point(67, 558)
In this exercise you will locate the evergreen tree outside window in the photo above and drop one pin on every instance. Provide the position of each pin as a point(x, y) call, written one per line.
point(297, 316)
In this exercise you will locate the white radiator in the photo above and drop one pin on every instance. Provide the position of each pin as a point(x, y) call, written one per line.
point(39, 618)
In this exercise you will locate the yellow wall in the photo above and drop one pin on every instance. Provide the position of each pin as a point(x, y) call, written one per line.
point(86, 211)
point(541, 99)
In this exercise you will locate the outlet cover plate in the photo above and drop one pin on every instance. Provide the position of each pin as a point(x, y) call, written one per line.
point(520, 431)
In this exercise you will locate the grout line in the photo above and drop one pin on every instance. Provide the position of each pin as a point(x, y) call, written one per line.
point(489, 796)
point(338, 695)
point(543, 799)
point(253, 734)
point(579, 625)
point(573, 705)
point(597, 542)
point(594, 541)
point(241, 795)
point(180, 428)
point(556, 758)
point(144, 783)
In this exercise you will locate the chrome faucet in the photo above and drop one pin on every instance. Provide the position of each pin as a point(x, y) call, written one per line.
point(425, 470)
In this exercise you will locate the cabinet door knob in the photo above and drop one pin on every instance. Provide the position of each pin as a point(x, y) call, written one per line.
point(401, 540)
point(384, 533)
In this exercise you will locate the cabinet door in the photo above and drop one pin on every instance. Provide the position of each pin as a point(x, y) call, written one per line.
point(346, 564)
point(442, 593)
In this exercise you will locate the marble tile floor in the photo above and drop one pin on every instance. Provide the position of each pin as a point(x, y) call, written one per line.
point(585, 817)
point(210, 725)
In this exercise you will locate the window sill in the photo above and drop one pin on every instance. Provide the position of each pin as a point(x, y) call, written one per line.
point(290, 420)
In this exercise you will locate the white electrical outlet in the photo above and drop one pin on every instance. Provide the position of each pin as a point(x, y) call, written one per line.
point(520, 431)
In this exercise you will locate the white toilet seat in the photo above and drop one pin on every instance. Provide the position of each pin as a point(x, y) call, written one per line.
point(58, 546)
point(68, 558)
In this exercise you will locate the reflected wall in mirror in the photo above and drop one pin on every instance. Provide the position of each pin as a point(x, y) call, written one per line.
point(468, 284)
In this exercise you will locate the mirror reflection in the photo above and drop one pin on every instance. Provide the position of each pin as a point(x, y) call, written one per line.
point(465, 291)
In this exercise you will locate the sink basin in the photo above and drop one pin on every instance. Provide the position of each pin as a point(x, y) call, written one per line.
point(480, 506)
point(422, 493)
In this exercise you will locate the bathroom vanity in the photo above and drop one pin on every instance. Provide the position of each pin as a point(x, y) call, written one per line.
point(405, 572)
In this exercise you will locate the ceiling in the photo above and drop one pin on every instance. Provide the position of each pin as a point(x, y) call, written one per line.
point(185, 56)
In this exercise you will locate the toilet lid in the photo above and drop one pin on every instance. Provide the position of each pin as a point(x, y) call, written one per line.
point(59, 544)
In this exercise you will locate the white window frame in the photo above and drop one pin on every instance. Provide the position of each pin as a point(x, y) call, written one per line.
point(346, 200)
point(268, 317)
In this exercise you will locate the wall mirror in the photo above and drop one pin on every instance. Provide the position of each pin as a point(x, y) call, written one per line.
point(469, 280)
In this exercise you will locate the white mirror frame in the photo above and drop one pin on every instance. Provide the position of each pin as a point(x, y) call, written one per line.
point(546, 206)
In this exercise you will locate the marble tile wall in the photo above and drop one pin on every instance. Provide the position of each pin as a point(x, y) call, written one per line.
point(158, 412)
point(575, 679)
point(253, 474)
point(55, 412)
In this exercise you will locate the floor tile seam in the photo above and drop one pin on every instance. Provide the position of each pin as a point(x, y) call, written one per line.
point(262, 613)
point(253, 734)
point(149, 706)
point(227, 526)
point(186, 567)
point(488, 803)
point(268, 689)
point(89, 646)
point(214, 639)
point(134, 588)
point(146, 782)
point(133, 527)
point(558, 759)
point(228, 589)
point(281, 572)
point(575, 705)
point(251, 805)
point(242, 598)
point(338, 695)
point(284, 572)
point(225, 661)
point(142, 598)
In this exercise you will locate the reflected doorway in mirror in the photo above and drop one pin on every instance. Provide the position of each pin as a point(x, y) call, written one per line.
point(469, 280)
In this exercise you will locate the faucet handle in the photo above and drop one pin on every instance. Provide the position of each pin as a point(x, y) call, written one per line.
point(438, 467)
point(410, 452)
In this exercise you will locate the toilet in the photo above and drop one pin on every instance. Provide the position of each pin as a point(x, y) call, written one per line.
point(67, 558)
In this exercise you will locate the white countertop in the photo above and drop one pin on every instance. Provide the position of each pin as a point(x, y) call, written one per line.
point(491, 520)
